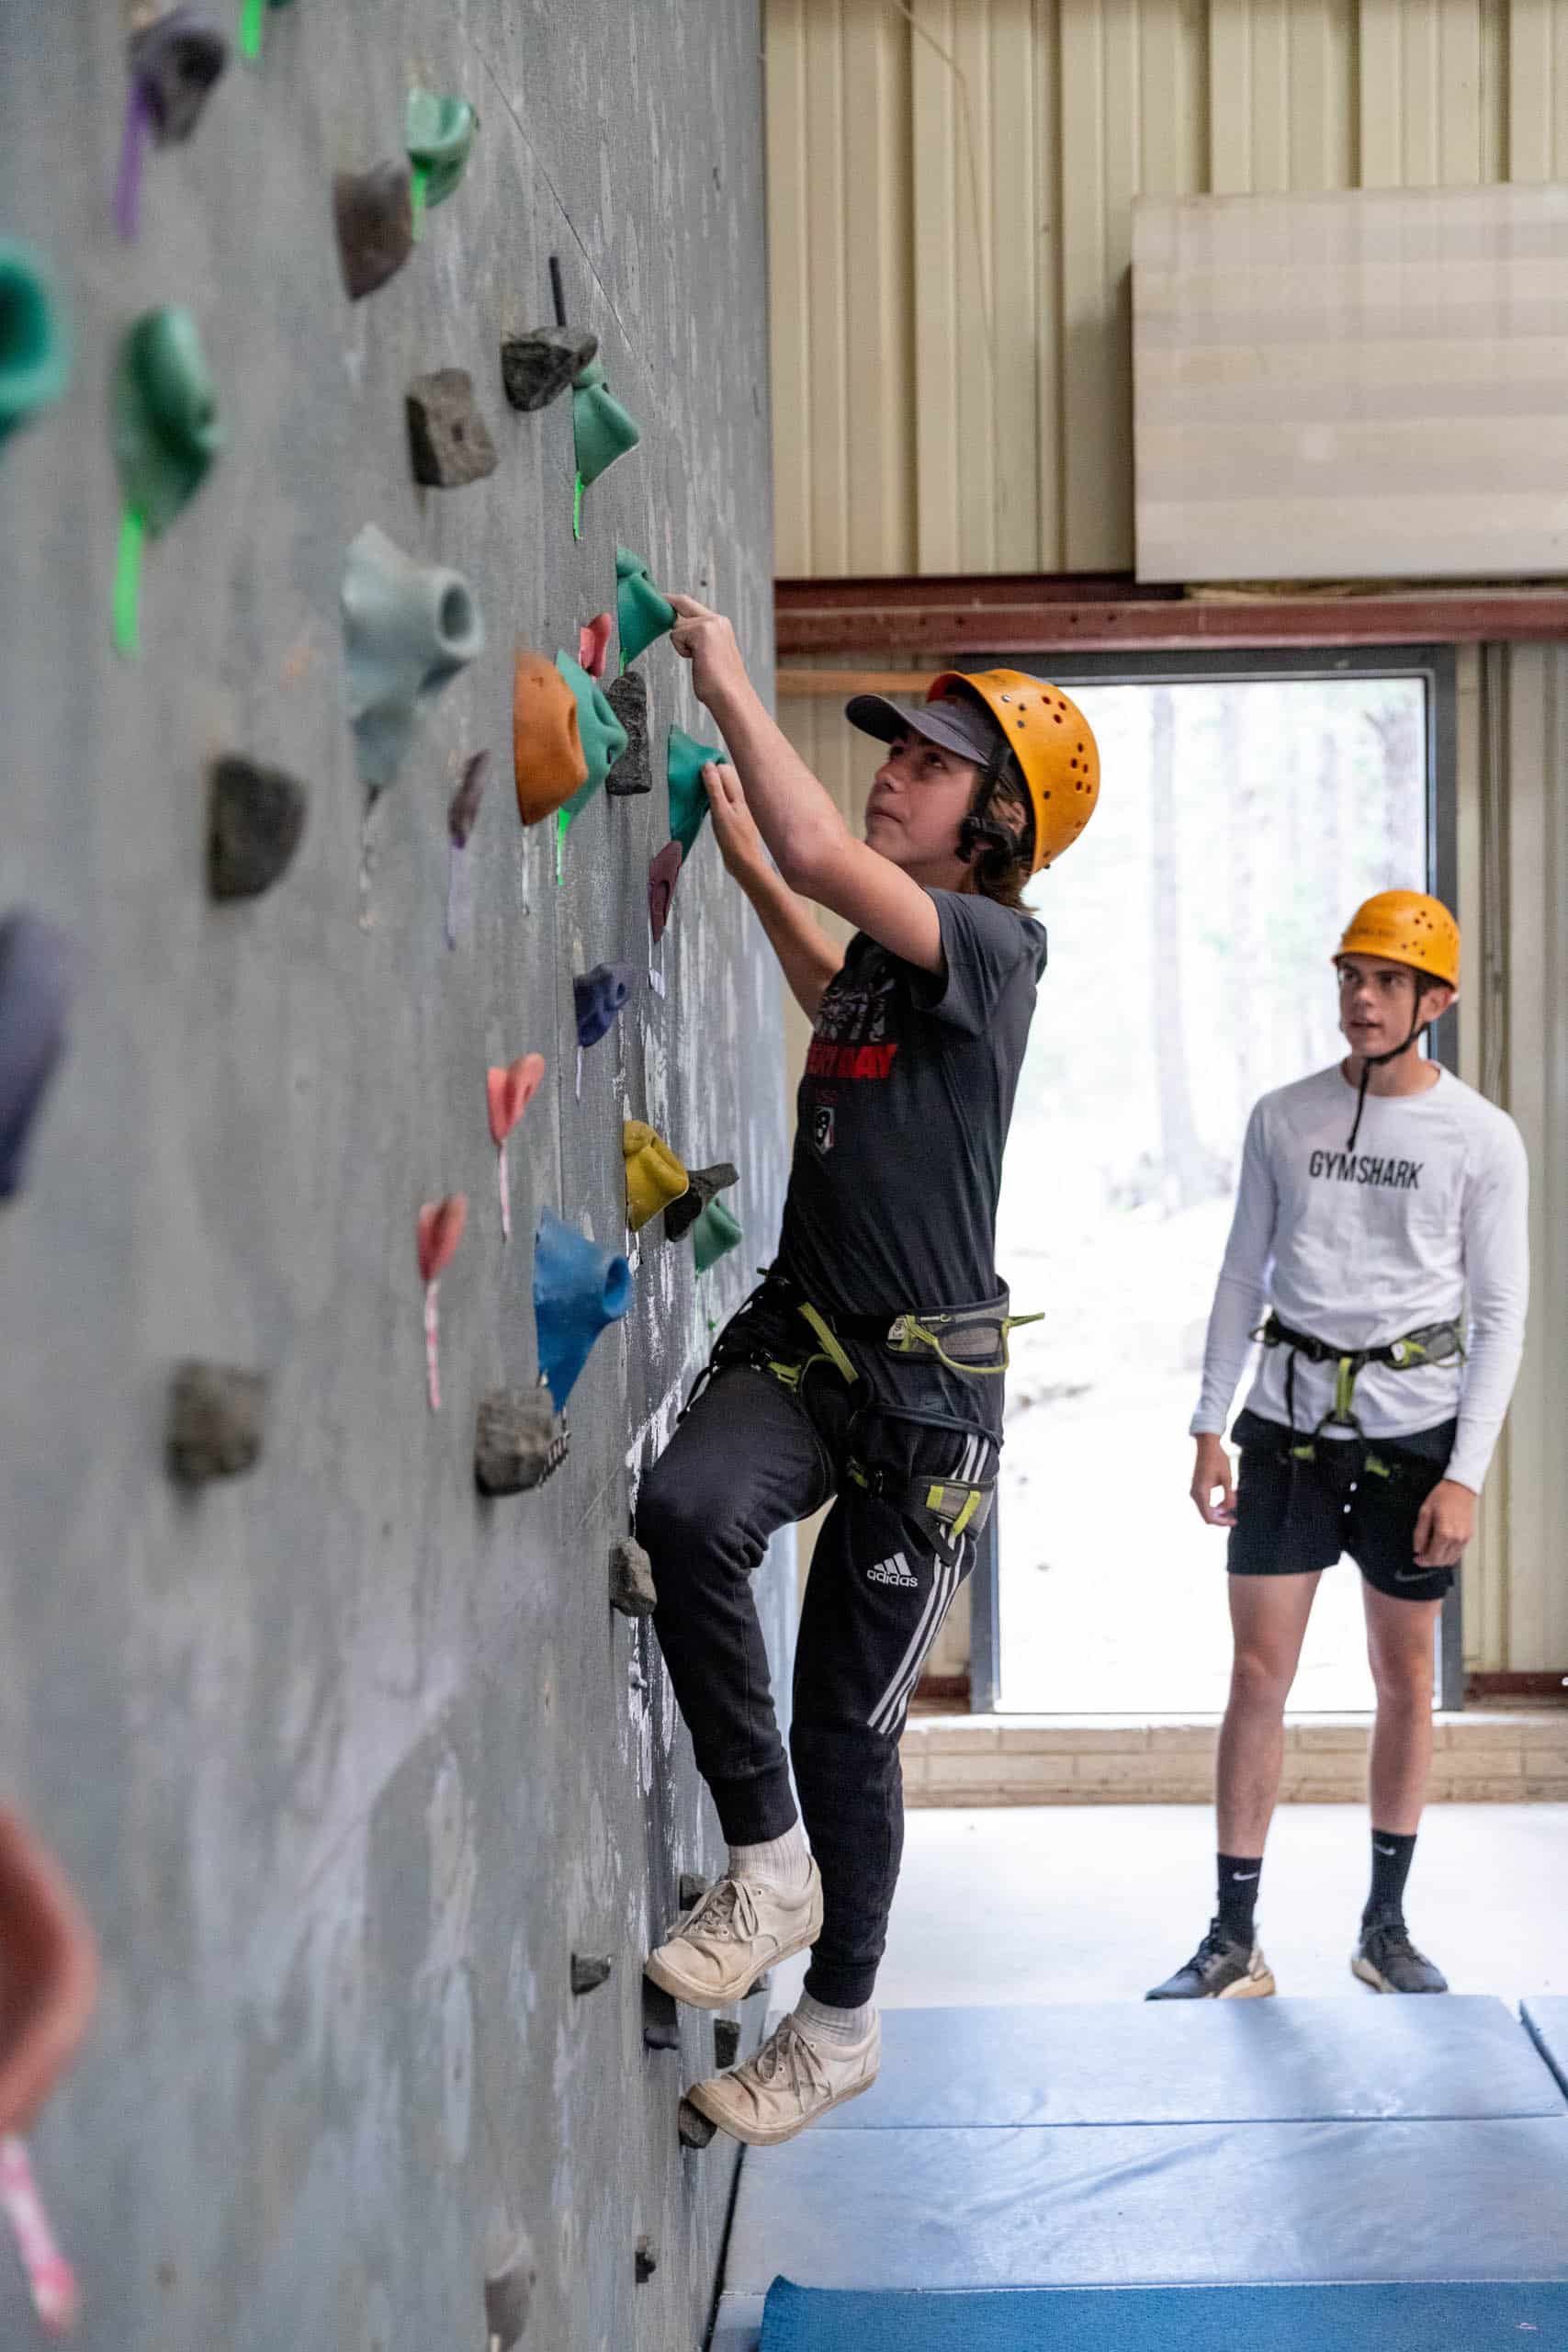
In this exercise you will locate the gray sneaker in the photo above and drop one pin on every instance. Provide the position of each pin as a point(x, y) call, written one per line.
point(1387, 1960)
point(1218, 1971)
point(788, 2083)
point(740, 1928)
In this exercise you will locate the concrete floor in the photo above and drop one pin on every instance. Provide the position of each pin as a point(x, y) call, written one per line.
point(1095, 1903)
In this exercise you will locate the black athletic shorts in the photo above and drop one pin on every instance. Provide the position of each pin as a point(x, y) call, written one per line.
point(1290, 1519)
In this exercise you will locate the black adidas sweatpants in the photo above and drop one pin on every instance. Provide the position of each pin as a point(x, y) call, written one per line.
point(749, 1457)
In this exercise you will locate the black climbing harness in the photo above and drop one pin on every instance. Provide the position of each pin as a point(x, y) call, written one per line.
point(1345, 1459)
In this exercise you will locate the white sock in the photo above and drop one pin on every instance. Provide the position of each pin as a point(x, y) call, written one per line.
point(824, 2024)
point(784, 1862)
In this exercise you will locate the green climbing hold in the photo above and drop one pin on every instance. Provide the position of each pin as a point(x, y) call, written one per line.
point(688, 795)
point(439, 135)
point(35, 340)
point(642, 614)
point(714, 1235)
point(601, 427)
point(163, 417)
point(602, 737)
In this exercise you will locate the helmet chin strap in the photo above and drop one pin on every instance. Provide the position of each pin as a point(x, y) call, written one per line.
point(980, 833)
point(1377, 1061)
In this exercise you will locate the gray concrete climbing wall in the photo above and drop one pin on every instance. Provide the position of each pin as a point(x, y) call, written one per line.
point(346, 1761)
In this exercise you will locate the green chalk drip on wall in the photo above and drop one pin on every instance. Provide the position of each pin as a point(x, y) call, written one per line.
point(562, 822)
point(127, 584)
point(577, 510)
point(250, 27)
point(419, 181)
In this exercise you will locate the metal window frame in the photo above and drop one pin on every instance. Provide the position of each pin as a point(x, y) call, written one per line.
point(1435, 665)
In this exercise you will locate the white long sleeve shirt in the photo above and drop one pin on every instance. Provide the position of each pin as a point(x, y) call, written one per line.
point(1359, 1248)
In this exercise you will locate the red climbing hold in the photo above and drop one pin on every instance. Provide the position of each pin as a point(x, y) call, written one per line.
point(593, 644)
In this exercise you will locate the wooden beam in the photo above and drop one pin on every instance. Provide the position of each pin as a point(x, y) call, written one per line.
point(836, 685)
point(935, 619)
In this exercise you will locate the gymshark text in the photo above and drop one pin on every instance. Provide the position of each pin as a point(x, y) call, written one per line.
point(1346, 1168)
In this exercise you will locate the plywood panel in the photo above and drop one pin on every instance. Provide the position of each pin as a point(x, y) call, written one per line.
point(1369, 466)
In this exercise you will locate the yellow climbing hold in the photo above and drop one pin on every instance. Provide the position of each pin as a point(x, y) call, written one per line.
point(654, 1176)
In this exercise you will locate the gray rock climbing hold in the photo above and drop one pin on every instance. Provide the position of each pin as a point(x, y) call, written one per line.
point(694, 2127)
point(518, 1440)
point(647, 2259)
point(509, 2291)
point(587, 1974)
point(631, 1579)
point(706, 1185)
point(408, 629)
point(374, 213)
point(633, 771)
point(726, 2042)
point(448, 440)
point(537, 367)
point(215, 1424)
point(254, 820)
point(693, 1888)
point(661, 2018)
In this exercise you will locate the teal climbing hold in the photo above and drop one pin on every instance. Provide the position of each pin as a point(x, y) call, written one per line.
point(714, 1235)
point(642, 614)
point(439, 135)
point(35, 338)
point(601, 429)
point(602, 737)
point(164, 416)
point(685, 760)
point(579, 1291)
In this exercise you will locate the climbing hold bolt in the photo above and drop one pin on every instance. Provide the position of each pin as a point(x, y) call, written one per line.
point(663, 873)
point(579, 1289)
point(439, 135)
point(628, 697)
point(587, 1974)
point(509, 2289)
point(597, 998)
point(694, 2127)
point(593, 644)
point(35, 996)
point(685, 759)
point(647, 2260)
point(726, 2042)
point(704, 1185)
point(654, 1176)
point(256, 817)
point(518, 1442)
point(374, 213)
point(642, 614)
point(508, 1093)
point(35, 341)
point(537, 367)
point(714, 1235)
point(215, 1422)
point(439, 1230)
point(448, 441)
point(548, 760)
point(631, 1579)
point(408, 629)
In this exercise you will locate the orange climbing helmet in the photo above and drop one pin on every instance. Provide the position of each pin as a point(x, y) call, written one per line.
point(1048, 736)
point(1406, 927)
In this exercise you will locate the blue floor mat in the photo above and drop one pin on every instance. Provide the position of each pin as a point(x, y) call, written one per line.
point(1205, 2062)
point(1453, 2318)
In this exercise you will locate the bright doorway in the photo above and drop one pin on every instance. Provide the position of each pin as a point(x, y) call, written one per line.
point(1241, 819)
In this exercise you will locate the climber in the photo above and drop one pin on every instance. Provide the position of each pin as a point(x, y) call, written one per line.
point(1374, 1196)
point(867, 1368)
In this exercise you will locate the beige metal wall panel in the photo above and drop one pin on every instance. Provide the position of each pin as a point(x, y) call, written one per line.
point(1346, 385)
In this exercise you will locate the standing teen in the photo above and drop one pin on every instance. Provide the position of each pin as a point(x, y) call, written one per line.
point(1375, 1198)
point(868, 1366)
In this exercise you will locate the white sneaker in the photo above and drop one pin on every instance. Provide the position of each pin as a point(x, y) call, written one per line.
point(734, 1935)
point(789, 2082)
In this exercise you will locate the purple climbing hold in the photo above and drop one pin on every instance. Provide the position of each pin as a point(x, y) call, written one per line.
point(579, 1291)
point(663, 873)
point(597, 997)
point(175, 62)
point(35, 993)
point(463, 811)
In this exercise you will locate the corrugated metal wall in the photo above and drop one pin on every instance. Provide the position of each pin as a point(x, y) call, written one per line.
point(951, 187)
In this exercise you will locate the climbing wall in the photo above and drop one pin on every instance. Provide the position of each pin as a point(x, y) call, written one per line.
point(356, 1768)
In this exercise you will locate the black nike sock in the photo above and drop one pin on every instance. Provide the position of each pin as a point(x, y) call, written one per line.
point(1392, 1856)
point(1238, 1875)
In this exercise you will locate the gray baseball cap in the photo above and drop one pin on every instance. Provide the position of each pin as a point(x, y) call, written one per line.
point(959, 723)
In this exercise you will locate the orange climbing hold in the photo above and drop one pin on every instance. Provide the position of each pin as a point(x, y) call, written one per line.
point(547, 758)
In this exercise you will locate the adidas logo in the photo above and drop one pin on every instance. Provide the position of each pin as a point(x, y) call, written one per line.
point(893, 1571)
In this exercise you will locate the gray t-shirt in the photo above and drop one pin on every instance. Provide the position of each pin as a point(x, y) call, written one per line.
point(904, 1110)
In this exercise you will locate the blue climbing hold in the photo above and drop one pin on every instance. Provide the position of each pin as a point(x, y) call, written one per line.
point(35, 992)
point(578, 1290)
point(597, 997)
